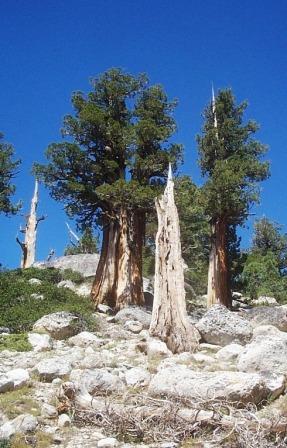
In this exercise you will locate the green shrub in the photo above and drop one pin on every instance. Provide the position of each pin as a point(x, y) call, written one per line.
point(5, 443)
point(19, 310)
point(15, 342)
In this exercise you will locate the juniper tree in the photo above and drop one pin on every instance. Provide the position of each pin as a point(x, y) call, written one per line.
point(109, 170)
point(230, 159)
point(8, 168)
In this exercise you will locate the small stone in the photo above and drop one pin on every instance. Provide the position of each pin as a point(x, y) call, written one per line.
point(157, 349)
point(137, 376)
point(67, 284)
point(60, 325)
point(49, 411)
point(52, 368)
point(64, 421)
point(133, 326)
point(57, 381)
point(34, 281)
point(37, 296)
point(105, 309)
point(5, 330)
point(6, 431)
point(25, 423)
point(84, 339)
point(6, 383)
point(20, 377)
point(40, 342)
point(109, 442)
point(229, 352)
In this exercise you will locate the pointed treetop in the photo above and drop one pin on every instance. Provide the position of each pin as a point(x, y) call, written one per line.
point(213, 105)
point(169, 177)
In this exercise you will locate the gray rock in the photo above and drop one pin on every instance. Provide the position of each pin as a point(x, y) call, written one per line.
point(264, 300)
point(25, 423)
point(133, 326)
point(137, 376)
point(105, 309)
point(64, 421)
point(34, 281)
point(20, 377)
point(181, 382)
point(37, 296)
point(266, 315)
point(97, 380)
point(67, 284)
point(109, 442)
point(51, 368)
point(221, 327)
point(5, 330)
point(7, 430)
point(265, 354)
point(85, 339)
point(40, 342)
point(59, 325)
point(85, 264)
point(229, 352)
point(136, 314)
point(157, 349)
point(48, 411)
point(6, 383)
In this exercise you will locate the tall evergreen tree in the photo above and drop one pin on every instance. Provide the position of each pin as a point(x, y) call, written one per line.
point(109, 171)
point(230, 158)
point(268, 237)
point(8, 168)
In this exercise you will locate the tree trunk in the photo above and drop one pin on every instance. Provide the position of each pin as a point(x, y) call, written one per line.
point(118, 281)
point(29, 245)
point(169, 317)
point(218, 273)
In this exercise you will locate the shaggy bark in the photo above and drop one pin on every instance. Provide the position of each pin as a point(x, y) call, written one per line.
point(28, 247)
point(118, 280)
point(218, 290)
point(169, 316)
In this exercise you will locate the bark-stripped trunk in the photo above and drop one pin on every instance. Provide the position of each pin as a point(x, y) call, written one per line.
point(118, 280)
point(169, 317)
point(29, 245)
point(218, 290)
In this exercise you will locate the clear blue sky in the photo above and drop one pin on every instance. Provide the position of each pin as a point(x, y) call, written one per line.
point(51, 48)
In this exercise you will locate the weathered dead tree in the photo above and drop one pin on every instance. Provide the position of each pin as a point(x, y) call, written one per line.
point(169, 317)
point(118, 281)
point(28, 247)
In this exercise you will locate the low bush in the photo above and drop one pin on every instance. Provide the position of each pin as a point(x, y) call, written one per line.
point(15, 342)
point(22, 303)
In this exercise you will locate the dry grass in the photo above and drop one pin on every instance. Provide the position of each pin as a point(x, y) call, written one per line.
point(149, 420)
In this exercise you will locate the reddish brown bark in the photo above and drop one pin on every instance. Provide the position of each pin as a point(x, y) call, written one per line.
point(118, 281)
point(219, 290)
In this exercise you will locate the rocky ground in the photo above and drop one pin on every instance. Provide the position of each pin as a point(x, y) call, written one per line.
point(118, 387)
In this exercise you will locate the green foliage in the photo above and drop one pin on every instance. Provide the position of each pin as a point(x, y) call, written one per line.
point(19, 308)
point(88, 244)
point(261, 277)
point(15, 342)
point(231, 160)
point(268, 237)
point(118, 150)
point(194, 230)
point(7, 173)
point(5, 443)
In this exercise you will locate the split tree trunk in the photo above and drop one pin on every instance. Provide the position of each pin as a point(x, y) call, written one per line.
point(169, 317)
point(118, 281)
point(219, 290)
point(29, 245)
